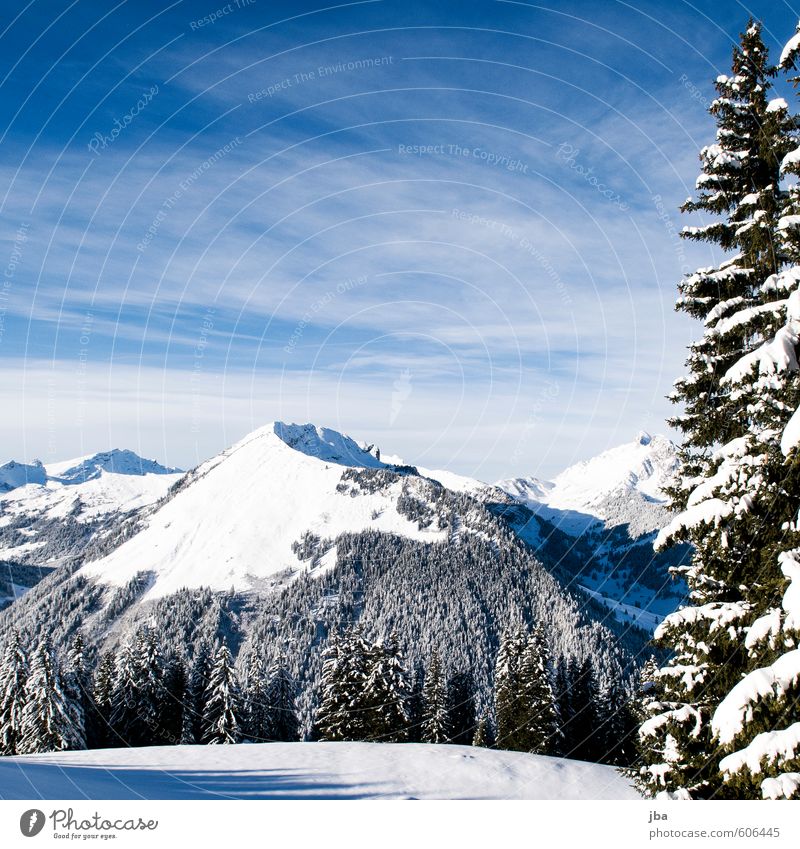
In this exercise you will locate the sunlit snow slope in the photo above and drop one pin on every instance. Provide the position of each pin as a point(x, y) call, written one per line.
point(307, 771)
point(238, 518)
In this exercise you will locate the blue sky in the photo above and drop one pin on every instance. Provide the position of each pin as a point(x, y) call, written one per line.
point(432, 225)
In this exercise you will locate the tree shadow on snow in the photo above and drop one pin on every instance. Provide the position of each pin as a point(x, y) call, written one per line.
point(28, 780)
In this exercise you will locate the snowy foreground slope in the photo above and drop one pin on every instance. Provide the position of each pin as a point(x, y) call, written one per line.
point(307, 771)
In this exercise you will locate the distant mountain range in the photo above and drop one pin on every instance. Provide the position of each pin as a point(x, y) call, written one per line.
point(594, 522)
point(612, 507)
point(297, 529)
point(50, 513)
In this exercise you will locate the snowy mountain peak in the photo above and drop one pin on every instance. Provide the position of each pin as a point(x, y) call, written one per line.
point(642, 466)
point(270, 505)
point(328, 445)
point(116, 461)
point(14, 474)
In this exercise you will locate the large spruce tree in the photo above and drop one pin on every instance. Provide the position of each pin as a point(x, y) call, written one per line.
point(541, 729)
point(508, 702)
point(343, 713)
point(757, 724)
point(734, 500)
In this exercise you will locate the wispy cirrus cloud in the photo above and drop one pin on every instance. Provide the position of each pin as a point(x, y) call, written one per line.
point(398, 206)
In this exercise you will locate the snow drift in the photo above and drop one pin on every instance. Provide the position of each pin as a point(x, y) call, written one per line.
point(307, 771)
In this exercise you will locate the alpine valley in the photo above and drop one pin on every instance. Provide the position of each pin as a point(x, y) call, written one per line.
point(297, 531)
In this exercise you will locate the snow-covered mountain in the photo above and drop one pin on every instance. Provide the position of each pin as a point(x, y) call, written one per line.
point(639, 470)
point(592, 524)
point(14, 474)
point(50, 513)
point(611, 507)
point(296, 529)
point(246, 515)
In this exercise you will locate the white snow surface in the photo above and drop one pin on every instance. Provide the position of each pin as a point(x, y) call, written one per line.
point(644, 465)
point(791, 158)
point(646, 619)
point(284, 479)
point(791, 433)
point(776, 104)
point(457, 483)
point(791, 598)
point(709, 512)
point(307, 771)
point(107, 493)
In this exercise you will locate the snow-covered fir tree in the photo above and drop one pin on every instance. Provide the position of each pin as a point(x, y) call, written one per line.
point(739, 187)
point(618, 722)
point(414, 703)
point(77, 680)
point(124, 714)
point(757, 723)
point(13, 677)
point(99, 731)
point(541, 729)
point(435, 727)
point(283, 725)
point(173, 697)
point(525, 702)
point(509, 704)
point(483, 732)
point(50, 720)
point(343, 714)
point(76, 669)
point(461, 708)
point(138, 695)
point(736, 492)
point(151, 694)
point(195, 700)
point(386, 693)
point(580, 728)
point(222, 710)
point(255, 705)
